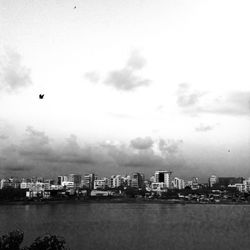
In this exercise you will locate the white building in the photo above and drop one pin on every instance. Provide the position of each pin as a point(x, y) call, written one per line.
point(163, 176)
point(212, 180)
point(101, 193)
point(115, 181)
point(68, 184)
point(158, 186)
point(2, 182)
point(178, 183)
point(242, 187)
point(101, 184)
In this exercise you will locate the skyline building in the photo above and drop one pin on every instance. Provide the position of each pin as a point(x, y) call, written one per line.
point(136, 180)
point(89, 180)
point(163, 176)
point(76, 179)
point(212, 180)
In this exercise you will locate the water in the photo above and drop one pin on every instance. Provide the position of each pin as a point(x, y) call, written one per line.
point(133, 226)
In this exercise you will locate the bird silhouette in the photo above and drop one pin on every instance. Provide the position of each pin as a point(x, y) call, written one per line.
point(75, 7)
point(41, 96)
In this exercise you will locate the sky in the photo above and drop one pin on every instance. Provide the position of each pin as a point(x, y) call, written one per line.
point(129, 86)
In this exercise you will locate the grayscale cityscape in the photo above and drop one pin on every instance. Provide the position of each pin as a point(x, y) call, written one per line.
point(124, 124)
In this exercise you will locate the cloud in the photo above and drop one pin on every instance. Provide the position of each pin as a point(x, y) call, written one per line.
point(35, 145)
point(203, 128)
point(123, 155)
point(37, 153)
point(127, 79)
point(169, 146)
point(121, 115)
point(3, 137)
point(186, 97)
point(13, 75)
point(18, 168)
point(233, 103)
point(136, 61)
point(92, 76)
point(194, 102)
point(142, 143)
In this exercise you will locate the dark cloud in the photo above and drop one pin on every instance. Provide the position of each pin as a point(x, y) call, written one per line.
point(92, 76)
point(19, 168)
point(142, 143)
point(204, 128)
point(13, 75)
point(35, 145)
point(127, 156)
point(38, 154)
point(127, 79)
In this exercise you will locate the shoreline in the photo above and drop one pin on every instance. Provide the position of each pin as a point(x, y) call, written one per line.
point(128, 201)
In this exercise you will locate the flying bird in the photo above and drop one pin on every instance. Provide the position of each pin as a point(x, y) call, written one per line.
point(75, 7)
point(41, 96)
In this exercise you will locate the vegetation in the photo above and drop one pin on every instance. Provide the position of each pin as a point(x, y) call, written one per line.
point(14, 239)
point(12, 194)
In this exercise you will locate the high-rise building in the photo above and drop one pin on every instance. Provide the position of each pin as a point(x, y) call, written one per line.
point(136, 180)
point(115, 181)
point(76, 179)
point(212, 180)
point(89, 180)
point(178, 183)
point(61, 179)
point(163, 176)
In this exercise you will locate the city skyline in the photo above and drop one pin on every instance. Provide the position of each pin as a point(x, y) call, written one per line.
point(131, 86)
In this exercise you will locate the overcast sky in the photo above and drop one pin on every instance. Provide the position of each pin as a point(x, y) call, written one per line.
point(135, 85)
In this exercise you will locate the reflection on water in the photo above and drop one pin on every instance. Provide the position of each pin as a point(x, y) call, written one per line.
point(133, 226)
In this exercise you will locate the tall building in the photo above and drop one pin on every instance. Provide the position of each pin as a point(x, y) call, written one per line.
point(195, 183)
point(212, 180)
point(136, 180)
point(76, 179)
point(89, 180)
point(178, 183)
point(163, 176)
point(115, 181)
point(61, 179)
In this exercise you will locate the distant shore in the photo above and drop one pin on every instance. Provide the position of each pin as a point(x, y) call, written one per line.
point(126, 200)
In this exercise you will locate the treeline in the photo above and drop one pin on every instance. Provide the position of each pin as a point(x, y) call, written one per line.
point(12, 194)
point(14, 239)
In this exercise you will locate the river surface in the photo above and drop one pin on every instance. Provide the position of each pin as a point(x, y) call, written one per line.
point(132, 225)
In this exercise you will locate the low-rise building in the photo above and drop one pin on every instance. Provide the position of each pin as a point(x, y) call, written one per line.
point(178, 183)
point(101, 184)
point(95, 193)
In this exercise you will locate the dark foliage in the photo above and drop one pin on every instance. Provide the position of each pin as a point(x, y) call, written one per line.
point(13, 240)
point(48, 242)
point(12, 194)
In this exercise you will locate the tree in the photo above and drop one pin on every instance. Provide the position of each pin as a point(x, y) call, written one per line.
point(13, 240)
point(48, 242)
